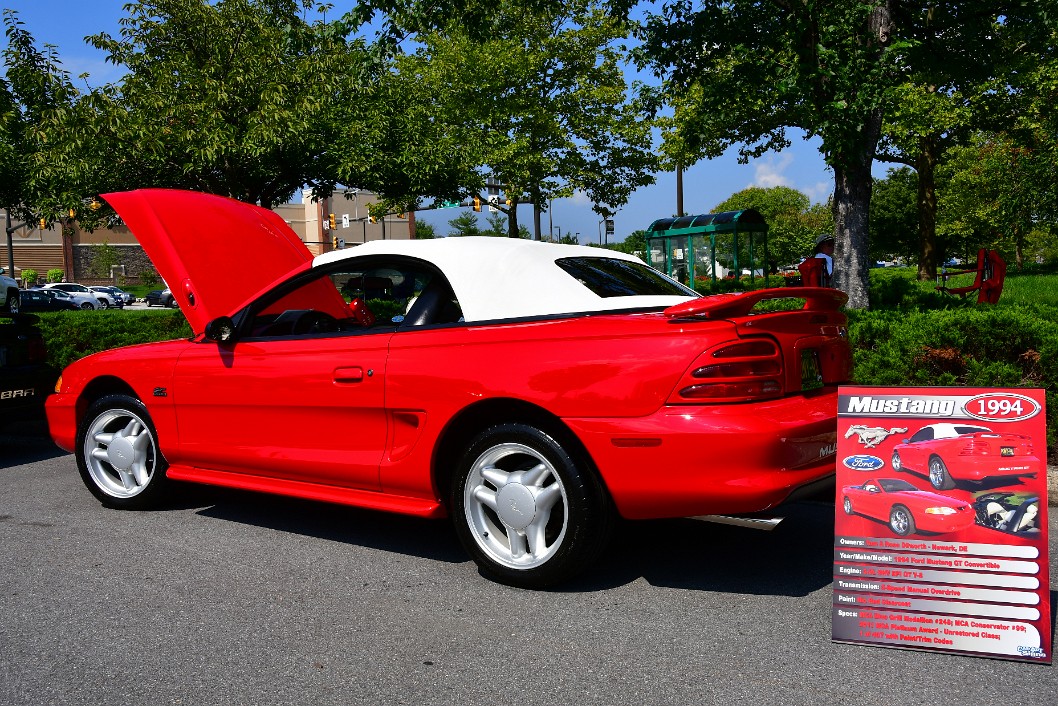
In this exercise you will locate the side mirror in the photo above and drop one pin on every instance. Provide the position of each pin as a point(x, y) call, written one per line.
point(221, 330)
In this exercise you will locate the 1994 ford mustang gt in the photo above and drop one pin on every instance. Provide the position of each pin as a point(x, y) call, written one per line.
point(531, 391)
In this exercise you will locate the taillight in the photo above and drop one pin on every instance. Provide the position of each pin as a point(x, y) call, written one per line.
point(976, 446)
point(739, 371)
point(35, 350)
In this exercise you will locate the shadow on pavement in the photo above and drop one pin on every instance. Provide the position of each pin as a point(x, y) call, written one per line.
point(26, 442)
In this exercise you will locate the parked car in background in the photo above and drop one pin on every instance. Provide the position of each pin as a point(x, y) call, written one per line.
point(161, 297)
point(9, 300)
point(46, 300)
point(82, 301)
point(120, 297)
point(532, 392)
point(26, 379)
point(948, 453)
point(105, 300)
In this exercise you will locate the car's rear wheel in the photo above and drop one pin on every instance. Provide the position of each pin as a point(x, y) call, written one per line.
point(896, 462)
point(939, 477)
point(104, 303)
point(87, 305)
point(528, 510)
point(14, 302)
point(118, 455)
point(901, 521)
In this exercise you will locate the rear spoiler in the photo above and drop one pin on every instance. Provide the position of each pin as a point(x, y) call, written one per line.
point(723, 306)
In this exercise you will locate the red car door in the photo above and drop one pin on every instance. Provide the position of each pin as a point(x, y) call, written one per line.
point(302, 409)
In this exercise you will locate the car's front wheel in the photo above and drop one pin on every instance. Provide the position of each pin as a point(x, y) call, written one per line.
point(117, 453)
point(901, 521)
point(527, 508)
point(87, 305)
point(104, 303)
point(939, 477)
point(897, 463)
point(847, 506)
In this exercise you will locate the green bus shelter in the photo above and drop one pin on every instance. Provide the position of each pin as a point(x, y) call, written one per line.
point(710, 247)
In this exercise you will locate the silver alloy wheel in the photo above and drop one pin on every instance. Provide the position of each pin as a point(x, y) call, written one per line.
point(511, 497)
point(897, 466)
point(120, 453)
point(900, 521)
point(847, 505)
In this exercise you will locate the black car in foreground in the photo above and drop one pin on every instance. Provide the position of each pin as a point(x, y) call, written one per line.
point(26, 379)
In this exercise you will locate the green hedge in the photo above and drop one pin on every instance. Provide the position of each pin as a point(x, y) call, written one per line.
point(70, 335)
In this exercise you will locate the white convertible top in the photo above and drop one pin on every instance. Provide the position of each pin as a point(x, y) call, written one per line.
point(501, 278)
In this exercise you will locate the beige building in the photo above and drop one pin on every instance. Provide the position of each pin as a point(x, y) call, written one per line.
point(64, 246)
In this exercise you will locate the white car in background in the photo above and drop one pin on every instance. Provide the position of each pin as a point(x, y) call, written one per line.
point(81, 299)
point(105, 300)
point(120, 297)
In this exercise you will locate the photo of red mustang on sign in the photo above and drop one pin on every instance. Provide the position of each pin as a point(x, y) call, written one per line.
point(941, 528)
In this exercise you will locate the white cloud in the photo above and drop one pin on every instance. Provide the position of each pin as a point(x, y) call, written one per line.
point(820, 191)
point(768, 171)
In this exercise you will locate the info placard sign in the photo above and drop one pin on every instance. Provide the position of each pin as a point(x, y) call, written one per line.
point(941, 521)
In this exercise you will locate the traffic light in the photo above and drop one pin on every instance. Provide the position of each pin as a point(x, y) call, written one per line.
point(477, 204)
point(334, 240)
point(330, 219)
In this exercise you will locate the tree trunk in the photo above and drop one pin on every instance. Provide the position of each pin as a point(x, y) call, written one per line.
point(926, 166)
point(852, 201)
point(512, 218)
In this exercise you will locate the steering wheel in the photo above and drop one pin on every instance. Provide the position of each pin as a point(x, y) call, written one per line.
point(313, 321)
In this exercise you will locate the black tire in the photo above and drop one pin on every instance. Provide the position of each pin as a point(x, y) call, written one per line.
point(14, 302)
point(901, 521)
point(846, 505)
point(104, 303)
point(86, 306)
point(939, 477)
point(540, 483)
point(118, 455)
point(172, 303)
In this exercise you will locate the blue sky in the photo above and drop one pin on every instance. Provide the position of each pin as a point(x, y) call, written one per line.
point(65, 23)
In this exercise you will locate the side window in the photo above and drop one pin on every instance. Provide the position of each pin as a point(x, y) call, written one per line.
point(925, 434)
point(359, 296)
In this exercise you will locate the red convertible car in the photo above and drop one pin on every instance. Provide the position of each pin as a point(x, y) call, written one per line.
point(906, 508)
point(950, 452)
point(531, 391)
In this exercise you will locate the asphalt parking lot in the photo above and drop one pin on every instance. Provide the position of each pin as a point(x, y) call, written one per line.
point(226, 597)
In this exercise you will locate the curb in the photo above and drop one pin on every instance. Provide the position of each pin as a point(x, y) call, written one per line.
point(1052, 485)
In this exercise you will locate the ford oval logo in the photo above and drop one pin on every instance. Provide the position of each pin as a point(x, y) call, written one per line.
point(863, 462)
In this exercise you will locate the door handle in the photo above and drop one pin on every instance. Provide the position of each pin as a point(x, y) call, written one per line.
point(346, 375)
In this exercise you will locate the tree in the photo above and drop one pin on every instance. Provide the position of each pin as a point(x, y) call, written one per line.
point(464, 224)
point(234, 97)
point(424, 230)
point(894, 215)
point(543, 99)
point(793, 222)
point(961, 57)
point(741, 72)
point(35, 93)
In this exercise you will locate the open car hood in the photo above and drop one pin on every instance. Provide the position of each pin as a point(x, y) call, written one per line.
point(213, 252)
